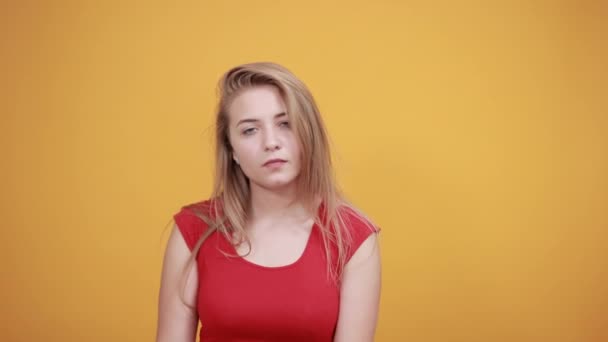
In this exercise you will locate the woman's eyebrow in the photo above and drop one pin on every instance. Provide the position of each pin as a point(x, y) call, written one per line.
point(276, 116)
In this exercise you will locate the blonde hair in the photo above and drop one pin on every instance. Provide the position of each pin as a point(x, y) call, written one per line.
point(227, 214)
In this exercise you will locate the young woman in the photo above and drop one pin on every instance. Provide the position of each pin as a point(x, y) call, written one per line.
point(276, 253)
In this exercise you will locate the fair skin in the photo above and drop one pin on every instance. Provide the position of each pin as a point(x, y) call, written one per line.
point(278, 227)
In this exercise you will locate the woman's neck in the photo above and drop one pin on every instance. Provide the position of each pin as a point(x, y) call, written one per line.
point(269, 205)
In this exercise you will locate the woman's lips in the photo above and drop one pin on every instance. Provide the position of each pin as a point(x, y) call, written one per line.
point(274, 163)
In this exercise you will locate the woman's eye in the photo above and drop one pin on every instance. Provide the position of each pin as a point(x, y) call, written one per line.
point(284, 124)
point(248, 131)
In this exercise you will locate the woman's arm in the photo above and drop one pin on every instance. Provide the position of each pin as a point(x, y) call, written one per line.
point(360, 294)
point(176, 322)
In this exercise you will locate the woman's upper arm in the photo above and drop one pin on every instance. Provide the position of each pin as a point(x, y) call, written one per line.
point(176, 321)
point(360, 294)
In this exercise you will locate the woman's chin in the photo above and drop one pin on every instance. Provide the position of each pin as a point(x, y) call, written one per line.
point(277, 184)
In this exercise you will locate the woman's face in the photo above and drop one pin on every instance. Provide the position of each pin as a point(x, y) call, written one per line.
point(259, 132)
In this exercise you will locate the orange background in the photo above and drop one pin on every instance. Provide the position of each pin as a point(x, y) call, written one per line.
point(476, 135)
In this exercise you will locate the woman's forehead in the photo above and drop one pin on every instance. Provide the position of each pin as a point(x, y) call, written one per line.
point(260, 102)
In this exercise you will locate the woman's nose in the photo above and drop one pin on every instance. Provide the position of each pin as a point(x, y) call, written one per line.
point(271, 141)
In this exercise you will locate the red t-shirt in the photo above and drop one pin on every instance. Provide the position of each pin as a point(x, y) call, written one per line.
point(241, 301)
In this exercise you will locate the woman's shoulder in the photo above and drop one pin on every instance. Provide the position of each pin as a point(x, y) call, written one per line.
point(193, 219)
point(348, 217)
point(356, 221)
point(204, 205)
point(358, 226)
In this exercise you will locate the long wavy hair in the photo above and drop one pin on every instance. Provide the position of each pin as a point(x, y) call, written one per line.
point(316, 183)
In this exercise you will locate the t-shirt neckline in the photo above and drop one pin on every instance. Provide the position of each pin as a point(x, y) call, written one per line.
point(298, 261)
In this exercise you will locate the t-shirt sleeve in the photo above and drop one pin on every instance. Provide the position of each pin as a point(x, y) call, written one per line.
point(191, 226)
point(360, 230)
